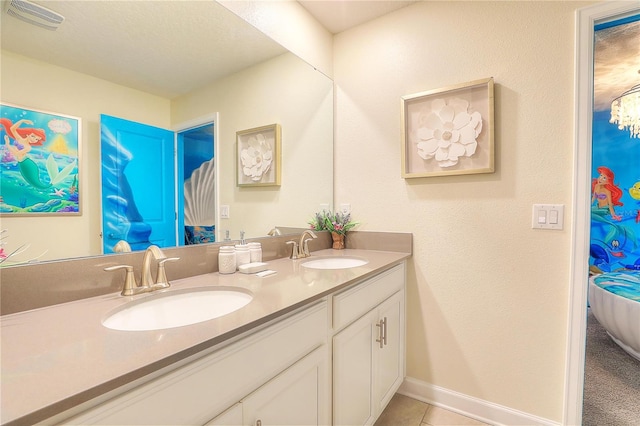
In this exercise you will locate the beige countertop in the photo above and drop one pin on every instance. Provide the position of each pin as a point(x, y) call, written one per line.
point(60, 356)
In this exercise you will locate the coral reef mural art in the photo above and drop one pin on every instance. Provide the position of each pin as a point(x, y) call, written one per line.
point(39, 162)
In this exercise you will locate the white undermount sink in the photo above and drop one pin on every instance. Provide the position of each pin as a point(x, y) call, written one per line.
point(177, 308)
point(335, 262)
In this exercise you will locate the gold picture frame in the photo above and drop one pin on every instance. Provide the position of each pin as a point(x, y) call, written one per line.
point(448, 131)
point(258, 156)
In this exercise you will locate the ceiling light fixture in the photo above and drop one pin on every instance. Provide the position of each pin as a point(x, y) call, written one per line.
point(625, 111)
point(34, 14)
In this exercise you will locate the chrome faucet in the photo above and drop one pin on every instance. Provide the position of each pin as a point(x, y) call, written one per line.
point(304, 243)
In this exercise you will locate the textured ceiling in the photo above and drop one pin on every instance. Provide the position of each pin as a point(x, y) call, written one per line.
point(170, 48)
point(166, 48)
point(339, 15)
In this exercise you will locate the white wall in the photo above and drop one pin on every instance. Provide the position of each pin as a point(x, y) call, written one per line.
point(487, 295)
point(33, 84)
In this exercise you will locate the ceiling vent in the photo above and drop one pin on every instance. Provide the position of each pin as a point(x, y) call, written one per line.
point(34, 14)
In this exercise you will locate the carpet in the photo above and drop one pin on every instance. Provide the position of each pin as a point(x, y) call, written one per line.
point(612, 381)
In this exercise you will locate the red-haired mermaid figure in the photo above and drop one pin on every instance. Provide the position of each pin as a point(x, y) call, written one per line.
point(606, 192)
point(28, 137)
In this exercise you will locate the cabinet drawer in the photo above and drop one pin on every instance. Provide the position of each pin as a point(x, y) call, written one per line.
point(355, 301)
point(197, 392)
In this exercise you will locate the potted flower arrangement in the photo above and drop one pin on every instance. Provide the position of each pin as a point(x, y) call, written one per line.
point(338, 224)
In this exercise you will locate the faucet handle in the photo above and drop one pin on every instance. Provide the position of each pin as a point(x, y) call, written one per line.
point(130, 285)
point(295, 251)
point(305, 248)
point(161, 276)
point(305, 242)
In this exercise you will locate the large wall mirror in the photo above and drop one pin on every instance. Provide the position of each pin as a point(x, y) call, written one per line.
point(174, 65)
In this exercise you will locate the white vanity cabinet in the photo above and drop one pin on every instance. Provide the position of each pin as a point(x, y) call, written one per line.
point(337, 361)
point(297, 396)
point(258, 375)
point(368, 347)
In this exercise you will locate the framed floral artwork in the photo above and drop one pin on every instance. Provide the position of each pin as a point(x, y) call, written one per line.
point(258, 156)
point(448, 131)
point(40, 156)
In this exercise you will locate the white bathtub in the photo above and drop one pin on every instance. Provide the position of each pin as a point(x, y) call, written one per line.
point(619, 315)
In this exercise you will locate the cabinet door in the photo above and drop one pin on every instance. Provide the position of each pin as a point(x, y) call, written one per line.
point(352, 366)
point(294, 397)
point(389, 358)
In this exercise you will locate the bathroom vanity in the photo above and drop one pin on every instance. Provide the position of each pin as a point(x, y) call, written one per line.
point(314, 346)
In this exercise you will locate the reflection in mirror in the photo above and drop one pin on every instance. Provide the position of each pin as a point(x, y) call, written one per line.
point(199, 186)
point(146, 71)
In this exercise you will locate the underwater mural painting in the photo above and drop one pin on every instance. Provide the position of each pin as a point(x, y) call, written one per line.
point(615, 188)
point(39, 162)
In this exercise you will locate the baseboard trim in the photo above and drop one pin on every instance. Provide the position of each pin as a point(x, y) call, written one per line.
point(484, 411)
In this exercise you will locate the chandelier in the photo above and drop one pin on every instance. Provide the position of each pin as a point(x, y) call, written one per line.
point(625, 111)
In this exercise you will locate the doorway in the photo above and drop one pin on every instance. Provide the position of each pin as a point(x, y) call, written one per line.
point(158, 186)
point(196, 185)
point(586, 20)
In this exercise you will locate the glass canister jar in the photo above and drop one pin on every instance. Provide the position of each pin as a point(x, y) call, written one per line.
point(243, 256)
point(227, 260)
point(255, 251)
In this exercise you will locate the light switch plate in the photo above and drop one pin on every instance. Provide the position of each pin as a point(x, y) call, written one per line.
point(224, 212)
point(547, 216)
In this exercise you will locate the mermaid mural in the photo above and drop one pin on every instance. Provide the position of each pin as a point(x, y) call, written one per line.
point(612, 241)
point(39, 162)
point(615, 188)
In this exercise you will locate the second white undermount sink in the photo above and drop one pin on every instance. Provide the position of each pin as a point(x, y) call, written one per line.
point(335, 262)
point(177, 308)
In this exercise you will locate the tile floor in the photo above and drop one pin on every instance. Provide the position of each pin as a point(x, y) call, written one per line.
point(405, 411)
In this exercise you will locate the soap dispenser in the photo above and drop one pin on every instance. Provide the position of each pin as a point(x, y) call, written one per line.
point(243, 255)
point(227, 260)
point(255, 251)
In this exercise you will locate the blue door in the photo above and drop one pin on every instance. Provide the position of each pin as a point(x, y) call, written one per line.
point(138, 189)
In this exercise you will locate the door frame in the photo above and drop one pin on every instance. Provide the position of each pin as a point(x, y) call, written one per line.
point(586, 19)
point(192, 124)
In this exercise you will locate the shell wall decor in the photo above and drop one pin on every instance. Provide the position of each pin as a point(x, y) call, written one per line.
point(199, 196)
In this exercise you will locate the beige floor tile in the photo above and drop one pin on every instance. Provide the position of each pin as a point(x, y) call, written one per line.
point(402, 411)
point(436, 416)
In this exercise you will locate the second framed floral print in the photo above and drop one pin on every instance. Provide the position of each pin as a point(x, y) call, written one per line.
point(448, 131)
point(259, 156)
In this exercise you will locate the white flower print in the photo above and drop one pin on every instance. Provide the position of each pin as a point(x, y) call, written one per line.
point(257, 157)
point(448, 131)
